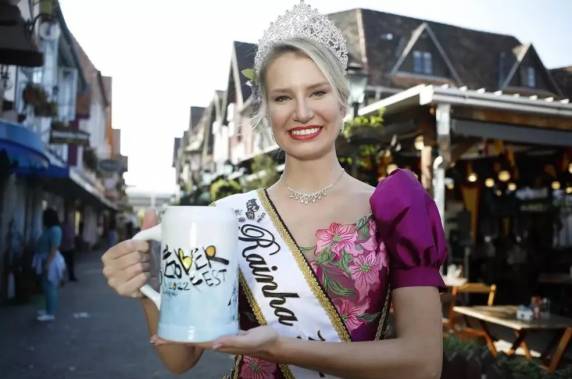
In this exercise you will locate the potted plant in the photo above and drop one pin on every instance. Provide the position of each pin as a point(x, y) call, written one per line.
point(463, 358)
point(34, 94)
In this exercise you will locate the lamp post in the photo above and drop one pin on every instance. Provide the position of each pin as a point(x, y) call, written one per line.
point(358, 82)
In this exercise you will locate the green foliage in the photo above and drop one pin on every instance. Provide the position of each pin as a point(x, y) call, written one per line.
point(200, 196)
point(268, 175)
point(353, 126)
point(222, 188)
point(36, 96)
point(515, 367)
point(250, 74)
point(453, 344)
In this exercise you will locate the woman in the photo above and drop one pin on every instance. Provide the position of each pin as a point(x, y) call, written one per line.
point(349, 249)
point(49, 263)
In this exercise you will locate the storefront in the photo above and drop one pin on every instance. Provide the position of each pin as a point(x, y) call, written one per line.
point(500, 169)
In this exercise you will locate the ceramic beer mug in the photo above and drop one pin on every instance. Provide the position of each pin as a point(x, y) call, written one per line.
point(198, 279)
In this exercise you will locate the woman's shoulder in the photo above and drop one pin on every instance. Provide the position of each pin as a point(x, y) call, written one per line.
point(358, 188)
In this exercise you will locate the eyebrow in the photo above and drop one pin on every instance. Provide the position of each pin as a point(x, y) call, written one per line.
point(311, 87)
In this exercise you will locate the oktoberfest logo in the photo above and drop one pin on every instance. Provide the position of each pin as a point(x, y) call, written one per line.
point(196, 268)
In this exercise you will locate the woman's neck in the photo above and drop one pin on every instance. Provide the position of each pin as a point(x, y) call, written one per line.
point(311, 175)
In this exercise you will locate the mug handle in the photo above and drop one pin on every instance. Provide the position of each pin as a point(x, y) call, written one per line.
point(154, 234)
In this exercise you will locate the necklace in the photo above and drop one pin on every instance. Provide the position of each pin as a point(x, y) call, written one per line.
point(312, 197)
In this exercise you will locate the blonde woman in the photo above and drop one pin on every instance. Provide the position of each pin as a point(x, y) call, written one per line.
point(322, 255)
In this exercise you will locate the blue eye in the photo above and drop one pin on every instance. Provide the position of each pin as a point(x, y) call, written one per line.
point(319, 93)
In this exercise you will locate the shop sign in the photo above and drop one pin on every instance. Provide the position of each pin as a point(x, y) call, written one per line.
point(67, 136)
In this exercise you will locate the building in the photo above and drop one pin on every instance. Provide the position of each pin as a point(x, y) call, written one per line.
point(485, 125)
point(57, 145)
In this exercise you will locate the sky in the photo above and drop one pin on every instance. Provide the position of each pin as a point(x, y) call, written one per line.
point(166, 56)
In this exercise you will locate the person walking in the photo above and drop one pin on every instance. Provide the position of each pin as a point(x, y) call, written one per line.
point(49, 264)
point(68, 247)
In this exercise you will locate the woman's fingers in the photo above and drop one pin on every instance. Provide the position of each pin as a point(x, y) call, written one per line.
point(124, 248)
point(128, 260)
point(126, 267)
point(131, 287)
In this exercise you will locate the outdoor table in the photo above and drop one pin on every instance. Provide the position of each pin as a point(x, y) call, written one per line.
point(505, 315)
point(547, 278)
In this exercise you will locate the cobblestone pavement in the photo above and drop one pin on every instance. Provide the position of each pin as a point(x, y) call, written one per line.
point(96, 335)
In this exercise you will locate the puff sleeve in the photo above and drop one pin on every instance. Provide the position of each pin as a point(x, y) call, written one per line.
point(409, 225)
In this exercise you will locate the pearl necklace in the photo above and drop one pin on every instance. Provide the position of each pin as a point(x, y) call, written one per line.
point(312, 197)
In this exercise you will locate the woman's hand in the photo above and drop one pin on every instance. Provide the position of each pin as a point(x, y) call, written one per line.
point(261, 341)
point(127, 265)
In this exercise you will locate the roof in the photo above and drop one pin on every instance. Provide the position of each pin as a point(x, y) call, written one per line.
point(242, 57)
point(422, 95)
point(563, 78)
point(378, 39)
point(68, 50)
point(94, 80)
point(245, 53)
point(195, 117)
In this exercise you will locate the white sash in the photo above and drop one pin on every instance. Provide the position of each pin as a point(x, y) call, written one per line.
point(279, 284)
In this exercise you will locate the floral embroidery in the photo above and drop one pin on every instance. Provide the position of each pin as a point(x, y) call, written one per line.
point(350, 313)
point(338, 238)
point(365, 271)
point(253, 368)
point(348, 262)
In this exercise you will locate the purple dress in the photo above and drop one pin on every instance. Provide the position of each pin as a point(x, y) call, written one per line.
point(401, 244)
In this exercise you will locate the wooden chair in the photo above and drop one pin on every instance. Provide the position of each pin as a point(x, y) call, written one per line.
point(467, 288)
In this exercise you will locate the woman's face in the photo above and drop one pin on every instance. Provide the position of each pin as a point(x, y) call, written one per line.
point(303, 108)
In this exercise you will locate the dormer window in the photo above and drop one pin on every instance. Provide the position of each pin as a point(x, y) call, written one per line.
point(422, 62)
point(530, 77)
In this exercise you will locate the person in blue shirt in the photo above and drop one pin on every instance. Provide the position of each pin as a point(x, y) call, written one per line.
point(49, 264)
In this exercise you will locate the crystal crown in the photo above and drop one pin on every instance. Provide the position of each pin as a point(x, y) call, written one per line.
point(302, 21)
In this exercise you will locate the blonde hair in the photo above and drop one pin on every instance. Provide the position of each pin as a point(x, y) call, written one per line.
point(327, 63)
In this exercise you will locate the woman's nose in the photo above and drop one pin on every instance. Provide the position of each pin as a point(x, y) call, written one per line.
point(304, 112)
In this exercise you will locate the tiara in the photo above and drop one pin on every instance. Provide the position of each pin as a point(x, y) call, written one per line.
point(302, 21)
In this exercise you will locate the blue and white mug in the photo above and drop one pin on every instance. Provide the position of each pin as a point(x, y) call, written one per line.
point(198, 279)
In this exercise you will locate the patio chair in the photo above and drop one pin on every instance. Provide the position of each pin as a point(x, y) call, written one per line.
point(467, 288)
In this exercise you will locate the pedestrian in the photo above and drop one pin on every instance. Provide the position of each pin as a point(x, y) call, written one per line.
point(112, 236)
point(49, 263)
point(129, 229)
point(69, 247)
point(347, 251)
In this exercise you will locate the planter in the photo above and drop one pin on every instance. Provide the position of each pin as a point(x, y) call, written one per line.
point(34, 95)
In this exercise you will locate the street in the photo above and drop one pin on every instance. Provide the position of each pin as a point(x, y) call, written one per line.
point(96, 334)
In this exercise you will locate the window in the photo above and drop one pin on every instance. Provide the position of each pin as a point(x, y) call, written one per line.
point(422, 62)
point(66, 93)
point(530, 77)
point(427, 63)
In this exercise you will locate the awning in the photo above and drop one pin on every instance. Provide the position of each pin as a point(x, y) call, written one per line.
point(513, 133)
point(23, 146)
point(68, 182)
point(16, 46)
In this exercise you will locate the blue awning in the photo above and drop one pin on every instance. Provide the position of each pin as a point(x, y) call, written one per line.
point(68, 182)
point(23, 146)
